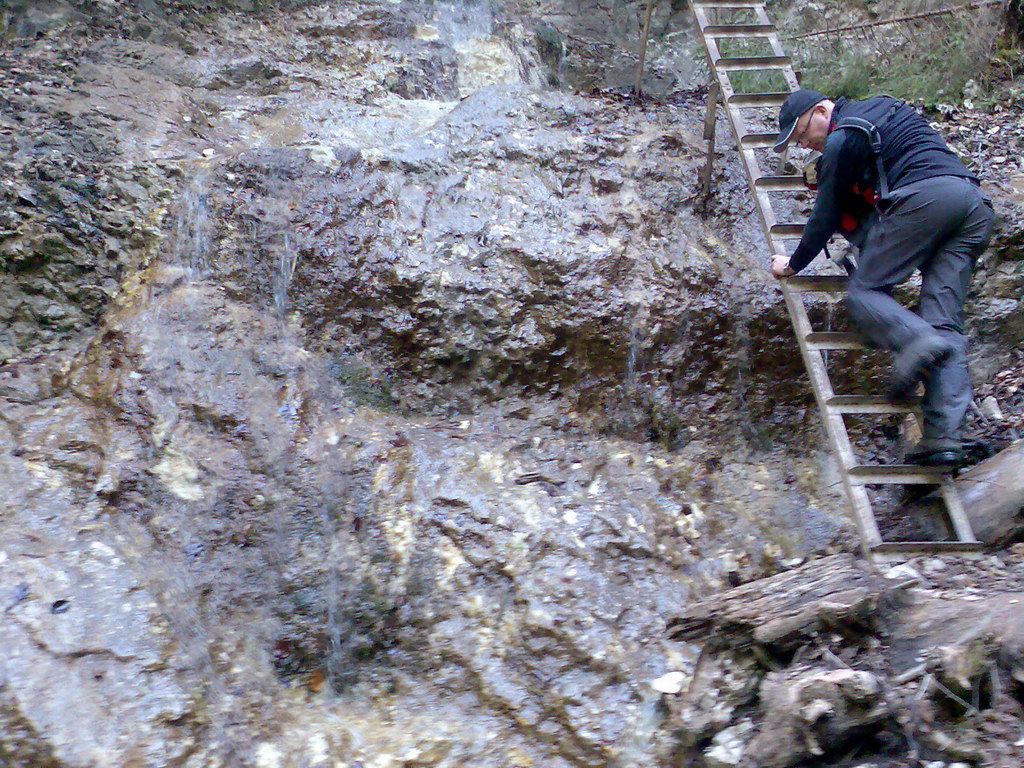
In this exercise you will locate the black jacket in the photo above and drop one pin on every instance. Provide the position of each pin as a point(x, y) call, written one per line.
point(911, 151)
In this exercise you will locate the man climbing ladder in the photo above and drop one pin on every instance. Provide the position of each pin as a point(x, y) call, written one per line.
point(932, 216)
point(748, 22)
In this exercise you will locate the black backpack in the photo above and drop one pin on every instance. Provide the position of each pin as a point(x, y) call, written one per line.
point(874, 137)
point(871, 192)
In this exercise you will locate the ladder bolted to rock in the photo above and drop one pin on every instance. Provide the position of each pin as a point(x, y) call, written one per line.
point(855, 477)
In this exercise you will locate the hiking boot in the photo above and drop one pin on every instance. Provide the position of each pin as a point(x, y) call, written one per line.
point(935, 452)
point(914, 362)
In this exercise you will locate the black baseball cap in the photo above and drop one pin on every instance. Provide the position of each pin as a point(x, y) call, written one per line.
point(795, 105)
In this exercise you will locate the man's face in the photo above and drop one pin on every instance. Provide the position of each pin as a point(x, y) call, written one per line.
point(812, 128)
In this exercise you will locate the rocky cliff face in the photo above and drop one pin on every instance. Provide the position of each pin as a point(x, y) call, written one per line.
point(373, 397)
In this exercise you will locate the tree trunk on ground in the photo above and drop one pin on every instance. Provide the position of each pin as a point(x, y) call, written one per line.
point(782, 611)
point(993, 495)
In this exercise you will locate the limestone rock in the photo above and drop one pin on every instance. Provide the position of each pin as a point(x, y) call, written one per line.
point(727, 746)
point(671, 683)
point(810, 712)
point(721, 685)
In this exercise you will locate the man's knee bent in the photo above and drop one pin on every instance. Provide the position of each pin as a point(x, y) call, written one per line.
point(856, 299)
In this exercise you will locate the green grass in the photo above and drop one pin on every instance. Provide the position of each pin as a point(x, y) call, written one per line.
point(930, 61)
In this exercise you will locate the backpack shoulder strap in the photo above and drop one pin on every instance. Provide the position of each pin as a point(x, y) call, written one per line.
point(866, 127)
point(874, 137)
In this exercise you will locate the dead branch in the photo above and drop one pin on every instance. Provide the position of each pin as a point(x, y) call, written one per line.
point(897, 19)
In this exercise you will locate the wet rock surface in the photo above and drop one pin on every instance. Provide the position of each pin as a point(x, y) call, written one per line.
point(370, 397)
point(265, 532)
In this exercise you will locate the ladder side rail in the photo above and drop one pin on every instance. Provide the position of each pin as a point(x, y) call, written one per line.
point(955, 509)
point(789, 73)
point(835, 428)
point(749, 159)
point(750, 164)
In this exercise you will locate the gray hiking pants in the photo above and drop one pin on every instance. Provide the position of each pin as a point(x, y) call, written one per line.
point(939, 226)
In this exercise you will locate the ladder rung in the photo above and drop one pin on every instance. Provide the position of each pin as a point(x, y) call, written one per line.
point(786, 230)
point(870, 404)
point(780, 183)
point(834, 340)
point(742, 100)
point(896, 474)
point(759, 140)
point(896, 548)
point(727, 3)
point(738, 30)
point(821, 283)
point(733, 63)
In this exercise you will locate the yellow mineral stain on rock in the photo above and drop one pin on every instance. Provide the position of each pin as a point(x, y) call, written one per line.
point(425, 32)
point(268, 756)
point(493, 465)
point(399, 532)
point(529, 508)
point(380, 476)
point(452, 558)
point(44, 473)
point(322, 155)
point(518, 759)
point(179, 474)
point(485, 61)
point(161, 430)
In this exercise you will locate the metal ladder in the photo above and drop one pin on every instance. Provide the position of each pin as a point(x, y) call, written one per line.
point(855, 477)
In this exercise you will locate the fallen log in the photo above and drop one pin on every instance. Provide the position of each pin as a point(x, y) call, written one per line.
point(992, 493)
point(782, 611)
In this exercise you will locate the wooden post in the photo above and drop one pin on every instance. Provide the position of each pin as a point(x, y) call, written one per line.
point(714, 91)
point(643, 45)
point(780, 164)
